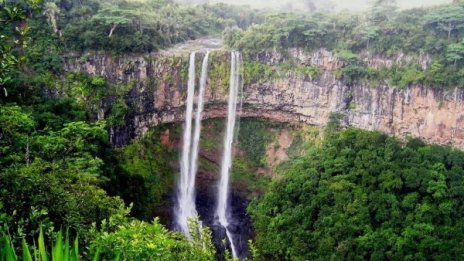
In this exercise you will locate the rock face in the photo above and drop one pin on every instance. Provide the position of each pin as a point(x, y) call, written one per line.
point(159, 86)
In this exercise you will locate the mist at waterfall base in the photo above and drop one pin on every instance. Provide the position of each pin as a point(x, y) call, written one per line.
point(218, 208)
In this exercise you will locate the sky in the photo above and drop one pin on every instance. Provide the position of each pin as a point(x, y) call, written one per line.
point(354, 5)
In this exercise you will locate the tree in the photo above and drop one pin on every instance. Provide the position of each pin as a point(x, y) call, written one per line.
point(113, 16)
point(51, 11)
point(455, 52)
point(368, 34)
point(54, 174)
point(449, 18)
point(10, 17)
point(382, 10)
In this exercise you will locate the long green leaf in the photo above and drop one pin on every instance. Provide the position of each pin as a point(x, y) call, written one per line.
point(2, 249)
point(26, 253)
point(57, 248)
point(66, 247)
point(96, 257)
point(36, 252)
point(42, 250)
point(75, 250)
point(9, 250)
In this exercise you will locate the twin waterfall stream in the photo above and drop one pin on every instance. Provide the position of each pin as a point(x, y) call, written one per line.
point(185, 208)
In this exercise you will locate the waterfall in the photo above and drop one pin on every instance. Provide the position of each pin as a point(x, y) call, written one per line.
point(185, 204)
point(189, 159)
point(223, 211)
point(196, 136)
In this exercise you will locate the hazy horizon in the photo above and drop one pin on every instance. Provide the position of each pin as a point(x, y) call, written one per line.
point(337, 5)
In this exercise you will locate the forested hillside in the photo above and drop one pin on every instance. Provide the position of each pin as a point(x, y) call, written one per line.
point(67, 193)
point(436, 32)
point(57, 166)
point(365, 196)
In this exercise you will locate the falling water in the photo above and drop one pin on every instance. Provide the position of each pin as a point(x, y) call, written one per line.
point(223, 212)
point(196, 136)
point(189, 160)
point(185, 204)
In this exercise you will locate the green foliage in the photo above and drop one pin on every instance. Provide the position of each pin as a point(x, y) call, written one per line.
point(53, 162)
point(15, 126)
point(353, 70)
point(347, 56)
point(119, 110)
point(368, 34)
point(13, 37)
point(281, 31)
point(143, 173)
point(254, 136)
point(136, 240)
point(385, 33)
point(291, 66)
point(410, 75)
point(308, 71)
point(382, 10)
point(141, 26)
point(61, 249)
point(448, 19)
point(218, 72)
point(352, 73)
point(51, 175)
point(256, 72)
point(245, 178)
point(53, 113)
point(363, 195)
point(455, 52)
point(88, 91)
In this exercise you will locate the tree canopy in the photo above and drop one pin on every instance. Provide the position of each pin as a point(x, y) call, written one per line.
point(363, 195)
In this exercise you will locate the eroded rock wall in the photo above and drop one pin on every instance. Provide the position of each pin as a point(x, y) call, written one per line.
point(159, 87)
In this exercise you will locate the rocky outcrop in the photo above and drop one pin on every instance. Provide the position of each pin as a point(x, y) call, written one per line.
point(159, 86)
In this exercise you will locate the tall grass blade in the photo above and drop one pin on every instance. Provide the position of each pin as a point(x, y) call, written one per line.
point(57, 248)
point(36, 252)
point(42, 250)
point(75, 250)
point(26, 253)
point(66, 247)
point(8, 249)
point(2, 248)
point(96, 257)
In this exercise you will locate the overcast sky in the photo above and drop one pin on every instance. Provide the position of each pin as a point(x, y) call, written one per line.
point(355, 5)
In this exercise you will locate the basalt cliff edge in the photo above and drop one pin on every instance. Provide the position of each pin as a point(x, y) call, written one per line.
point(158, 89)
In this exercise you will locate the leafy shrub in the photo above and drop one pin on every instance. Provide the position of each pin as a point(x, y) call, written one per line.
point(136, 240)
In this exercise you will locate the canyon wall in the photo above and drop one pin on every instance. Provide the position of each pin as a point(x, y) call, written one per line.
point(158, 89)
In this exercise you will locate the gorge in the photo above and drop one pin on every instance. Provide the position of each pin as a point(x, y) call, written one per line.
point(416, 111)
point(158, 96)
point(211, 131)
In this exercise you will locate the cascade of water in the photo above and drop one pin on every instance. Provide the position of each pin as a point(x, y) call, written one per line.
point(222, 211)
point(189, 160)
point(196, 135)
point(185, 208)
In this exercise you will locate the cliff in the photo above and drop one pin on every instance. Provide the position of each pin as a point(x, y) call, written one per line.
point(158, 83)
